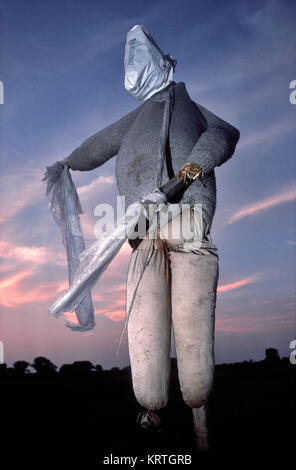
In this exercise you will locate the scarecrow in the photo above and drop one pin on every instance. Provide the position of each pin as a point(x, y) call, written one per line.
point(172, 279)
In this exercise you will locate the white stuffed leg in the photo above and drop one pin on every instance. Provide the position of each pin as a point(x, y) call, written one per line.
point(194, 284)
point(149, 326)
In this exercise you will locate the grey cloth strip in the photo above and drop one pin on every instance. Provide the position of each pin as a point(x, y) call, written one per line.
point(168, 97)
point(65, 207)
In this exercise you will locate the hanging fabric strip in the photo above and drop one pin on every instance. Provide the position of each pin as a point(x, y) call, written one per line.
point(168, 97)
point(65, 207)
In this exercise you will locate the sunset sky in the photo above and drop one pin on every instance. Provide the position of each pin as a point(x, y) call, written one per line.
point(62, 68)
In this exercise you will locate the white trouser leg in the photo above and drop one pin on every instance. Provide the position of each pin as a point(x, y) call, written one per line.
point(194, 283)
point(149, 326)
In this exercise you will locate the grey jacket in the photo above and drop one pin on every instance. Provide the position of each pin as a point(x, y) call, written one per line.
point(195, 135)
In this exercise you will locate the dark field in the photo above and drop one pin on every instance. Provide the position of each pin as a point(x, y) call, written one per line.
point(92, 414)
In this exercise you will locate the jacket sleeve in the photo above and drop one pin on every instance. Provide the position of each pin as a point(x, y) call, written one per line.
point(105, 144)
point(216, 144)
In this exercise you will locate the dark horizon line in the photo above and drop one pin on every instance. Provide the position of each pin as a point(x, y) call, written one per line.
point(57, 369)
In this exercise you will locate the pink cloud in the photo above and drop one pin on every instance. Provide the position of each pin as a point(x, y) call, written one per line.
point(101, 297)
point(41, 293)
point(95, 184)
point(287, 195)
point(115, 298)
point(241, 283)
point(267, 136)
point(32, 254)
point(114, 315)
point(12, 280)
point(62, 286)
point(5, 268)
point(245, 324)
point(115, 309)
point(71, 317)
point(14, 292)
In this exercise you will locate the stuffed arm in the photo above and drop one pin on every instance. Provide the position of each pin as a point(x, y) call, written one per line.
point(101, 146)
point(216, 144)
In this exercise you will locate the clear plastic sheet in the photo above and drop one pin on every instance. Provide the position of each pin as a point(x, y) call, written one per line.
point(65, 207)
point(94, 260)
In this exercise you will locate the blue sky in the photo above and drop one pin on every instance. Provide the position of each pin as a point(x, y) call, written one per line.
point(62, 69)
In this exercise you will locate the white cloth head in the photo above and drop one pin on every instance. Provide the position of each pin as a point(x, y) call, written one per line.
point(147, 69)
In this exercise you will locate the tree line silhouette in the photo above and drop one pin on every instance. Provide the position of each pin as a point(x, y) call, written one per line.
point(43, 366)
